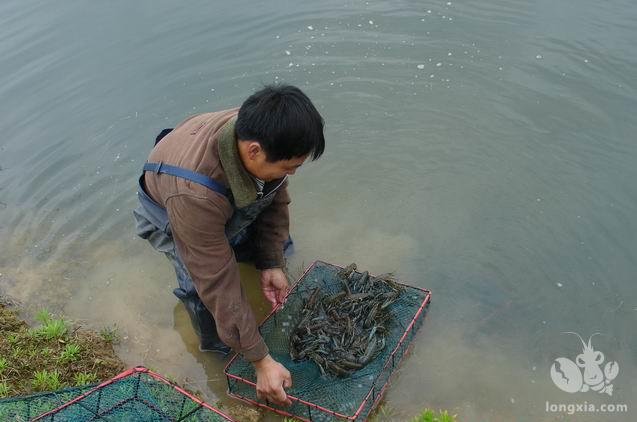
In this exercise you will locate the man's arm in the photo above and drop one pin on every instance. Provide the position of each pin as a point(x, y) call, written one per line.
point(272, 230)
point(198, 226)
point(272, 379)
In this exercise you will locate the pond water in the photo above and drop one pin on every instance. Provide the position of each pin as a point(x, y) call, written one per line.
point(484, 150)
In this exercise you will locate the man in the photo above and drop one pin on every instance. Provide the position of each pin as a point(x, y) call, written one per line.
point(213, 192)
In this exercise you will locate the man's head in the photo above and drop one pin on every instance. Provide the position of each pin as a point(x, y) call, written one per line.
point(277, 129)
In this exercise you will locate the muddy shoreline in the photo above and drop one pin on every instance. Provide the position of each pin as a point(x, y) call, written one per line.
point(56, 353)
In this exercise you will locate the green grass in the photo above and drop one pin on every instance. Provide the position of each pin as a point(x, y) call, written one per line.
point(82, 378)
point(54, 328)
point(51, 327)
point(46, 381)
point(110, 334)
point(70, 353)
point(429, 415)
point(4, 389)
point(43, 316)
point(17, 352)
point(52, 355)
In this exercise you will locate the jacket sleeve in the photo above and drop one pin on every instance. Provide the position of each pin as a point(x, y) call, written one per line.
point(198, 227)
point(272, 229)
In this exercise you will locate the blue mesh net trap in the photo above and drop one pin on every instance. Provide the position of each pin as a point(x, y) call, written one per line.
point(317, 396)
point(134, 395)
point(25, 408)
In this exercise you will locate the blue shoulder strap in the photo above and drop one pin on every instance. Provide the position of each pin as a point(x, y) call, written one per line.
point(193, 176)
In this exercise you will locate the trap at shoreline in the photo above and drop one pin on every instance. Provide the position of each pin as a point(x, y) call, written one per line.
point(320, 398)
point(25, 408)
point(137, 394)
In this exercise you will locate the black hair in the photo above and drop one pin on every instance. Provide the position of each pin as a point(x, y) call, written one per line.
point(284, 121)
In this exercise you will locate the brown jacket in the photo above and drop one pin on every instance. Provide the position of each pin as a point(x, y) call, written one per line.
point(206, 143)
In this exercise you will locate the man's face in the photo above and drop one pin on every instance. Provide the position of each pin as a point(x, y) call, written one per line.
point(277, 169)
point(254, 160)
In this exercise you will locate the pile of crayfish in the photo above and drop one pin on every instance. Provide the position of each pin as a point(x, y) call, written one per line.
point(342, 332)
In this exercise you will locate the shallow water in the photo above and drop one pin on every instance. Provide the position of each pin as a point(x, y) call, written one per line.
point(485, 150)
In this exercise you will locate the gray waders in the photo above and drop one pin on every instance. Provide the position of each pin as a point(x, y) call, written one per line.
point(152, 224)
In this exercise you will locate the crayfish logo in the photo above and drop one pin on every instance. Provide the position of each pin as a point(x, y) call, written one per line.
point(585, 373)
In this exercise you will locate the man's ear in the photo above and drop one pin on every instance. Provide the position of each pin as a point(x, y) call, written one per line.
point(254, 148)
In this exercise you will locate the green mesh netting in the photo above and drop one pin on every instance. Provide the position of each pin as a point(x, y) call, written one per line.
point(329, 398)
point(24, 408)
point(136, 395)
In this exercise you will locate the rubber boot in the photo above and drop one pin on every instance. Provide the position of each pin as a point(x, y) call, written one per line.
point(204, 325)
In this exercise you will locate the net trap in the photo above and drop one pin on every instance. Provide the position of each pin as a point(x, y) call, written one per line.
point(134, 395)
point(341, 333)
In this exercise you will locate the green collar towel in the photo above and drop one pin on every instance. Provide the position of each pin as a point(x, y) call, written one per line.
point(241, 183)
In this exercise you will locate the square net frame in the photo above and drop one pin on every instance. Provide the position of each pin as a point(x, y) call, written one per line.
point(320, 398)
point(137, 394)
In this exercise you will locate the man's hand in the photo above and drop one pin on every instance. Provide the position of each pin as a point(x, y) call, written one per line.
point(274, 285)
point(272, 378)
